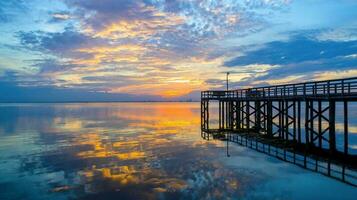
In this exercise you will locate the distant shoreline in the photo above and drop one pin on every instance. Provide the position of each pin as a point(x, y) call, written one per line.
point(103, 102)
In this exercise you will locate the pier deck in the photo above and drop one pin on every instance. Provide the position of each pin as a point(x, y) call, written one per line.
point(296, 118)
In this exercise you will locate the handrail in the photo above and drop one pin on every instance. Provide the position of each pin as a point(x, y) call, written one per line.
point(344, 87)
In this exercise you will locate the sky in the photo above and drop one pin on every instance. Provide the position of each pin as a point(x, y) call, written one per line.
point(144, 50)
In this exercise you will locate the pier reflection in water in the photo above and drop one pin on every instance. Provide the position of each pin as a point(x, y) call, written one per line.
point(137, 151)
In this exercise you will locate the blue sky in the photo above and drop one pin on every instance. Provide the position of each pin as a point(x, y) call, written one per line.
point(87, 50)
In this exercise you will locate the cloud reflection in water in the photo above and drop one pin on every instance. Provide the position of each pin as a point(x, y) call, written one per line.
point(121, 150)
point(132, 151)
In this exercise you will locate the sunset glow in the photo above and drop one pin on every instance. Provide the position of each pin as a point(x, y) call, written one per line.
point(170, 50)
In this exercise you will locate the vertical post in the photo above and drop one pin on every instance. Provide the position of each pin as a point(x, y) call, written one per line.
point(223, 115)
point(238, 110)
point(343, 87)
point(247, 115)
point(265, 115)
point(207, 115)
point(228, 114)
point(320, 124)
point(299, 121)
point(345, 134)
point(233, 107)
point(282, 125)
point(280, 119)
point(286, 120)
point(242, 111)
point(234, 116)
point(307, 106)
point(332, 133)
point(312, 122)
point(270, 118)
point(307, 131)
point(219, 115)
point(257, 116)
point(202, 114)
point(294, 124)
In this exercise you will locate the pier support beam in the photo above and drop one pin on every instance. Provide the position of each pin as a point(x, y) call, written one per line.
point(332, 128)
point(204, 115)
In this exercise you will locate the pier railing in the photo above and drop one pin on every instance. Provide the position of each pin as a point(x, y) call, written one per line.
point(322, 89)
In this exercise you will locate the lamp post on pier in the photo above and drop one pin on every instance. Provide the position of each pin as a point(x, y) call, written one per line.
point(227, 79)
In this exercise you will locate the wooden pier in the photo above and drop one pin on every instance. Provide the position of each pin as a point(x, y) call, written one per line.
point(296, 119)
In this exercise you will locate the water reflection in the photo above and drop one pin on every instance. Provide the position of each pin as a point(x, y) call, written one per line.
point(127, 151)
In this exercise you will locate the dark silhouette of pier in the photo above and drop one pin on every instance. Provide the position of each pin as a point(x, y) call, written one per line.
point(294, 122)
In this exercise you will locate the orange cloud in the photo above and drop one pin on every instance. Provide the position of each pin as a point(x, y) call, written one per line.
point(139, 28)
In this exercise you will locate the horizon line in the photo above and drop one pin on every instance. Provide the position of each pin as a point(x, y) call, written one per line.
point(149, 101)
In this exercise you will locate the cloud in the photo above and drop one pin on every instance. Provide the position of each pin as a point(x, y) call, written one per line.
point(47, 66)
point(60, 17)
point(58, 43)
point(143, 18)
point(295, 50)
point(32, 93)
point(345, 33)
point(118, 19)
point(72, 55)
point(322, 65)
point(107, 11)
point(302, 57)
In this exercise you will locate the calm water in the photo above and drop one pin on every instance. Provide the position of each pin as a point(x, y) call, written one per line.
point(138, 151)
